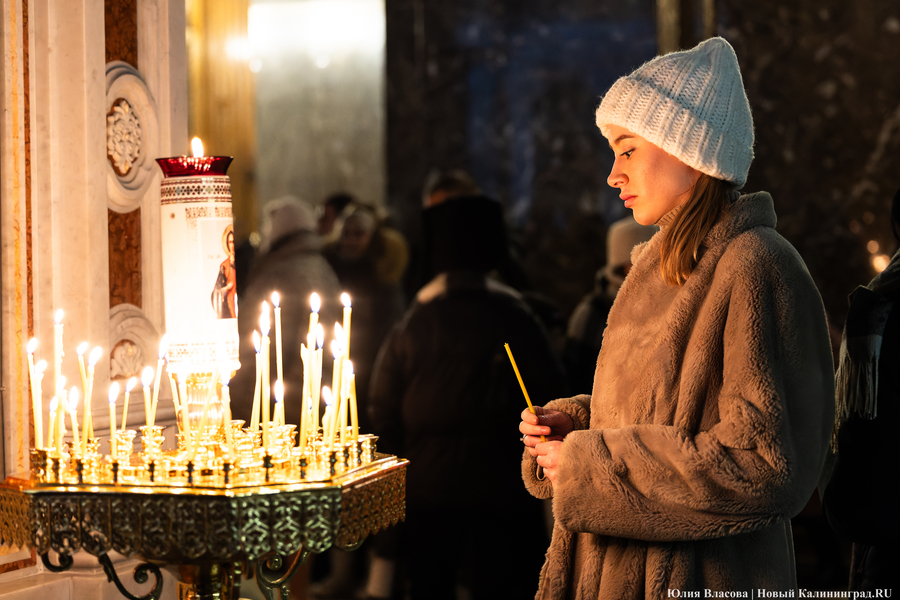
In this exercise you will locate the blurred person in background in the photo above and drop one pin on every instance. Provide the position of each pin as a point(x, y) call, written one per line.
point(861, 498)
point(331, 215)
point(442, 365)
point(584, 334)
point(289, 262)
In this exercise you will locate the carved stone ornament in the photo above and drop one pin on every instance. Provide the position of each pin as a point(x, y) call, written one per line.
point(123, 137)
point(132, 137)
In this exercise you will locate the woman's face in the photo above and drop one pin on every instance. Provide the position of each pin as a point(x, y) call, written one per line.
point(229, 241)
point(651, 181)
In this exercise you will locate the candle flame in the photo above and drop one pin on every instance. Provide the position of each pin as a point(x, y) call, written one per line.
point(348, 368)
point(147, 376)
point(326, 395)
point(113, 393)
point(40, 367)
point(338, 332)
point(320, 336)
point(95, 355)
point(73, 399)
point(61, 385)
point(130, 385)
point(163, 346)
point(335, 349)
point(276, 299)
point(256, 340)
point(32, 346)
point(57, 318)
point(278, 389)
point(314, 303)
point(196, 147)
point(225, 377)
point(345, 299)
point(82, 348)
point(54, 404)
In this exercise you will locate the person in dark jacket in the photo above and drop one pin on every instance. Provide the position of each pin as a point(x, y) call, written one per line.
point(861, 498)
point(442, 363)
point(290, 263)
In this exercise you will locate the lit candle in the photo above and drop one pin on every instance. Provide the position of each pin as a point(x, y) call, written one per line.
point(163, 347)
point(113, 394)
point(82, 348)
point(58, 349)
point(38, 418)
point(305, 407)
point(72, 403)
point(93, 359)
point(279, 402)
point(279, 365)
point(315, 304)
point(186, 420)
point(54, 429)
point(196, 147)
point(317, 370)
point(266, 396)
point(226, 407)
point(61, 413)
point(146, 380)
point(336, 378)
point(345, 300)
point(254, 414)
point(354, 415)
point(36, 404)
point(128, 387)
point(173, 384)
point(327, 421)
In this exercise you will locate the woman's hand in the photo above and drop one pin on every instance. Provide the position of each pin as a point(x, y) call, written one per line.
point(554, 426)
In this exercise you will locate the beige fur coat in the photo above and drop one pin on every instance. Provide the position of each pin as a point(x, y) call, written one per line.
point(709, 421)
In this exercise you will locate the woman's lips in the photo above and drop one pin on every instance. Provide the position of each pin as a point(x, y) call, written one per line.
point(629, 199)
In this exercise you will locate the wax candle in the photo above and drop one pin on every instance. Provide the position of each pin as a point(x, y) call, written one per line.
point(54, 429)
point(317, 367)
point(173, 385)
point(354, 415)
point(226, 409)
point(327, 421)
point(345, 300)
point(279, 402)
point(72, 404)
point(93, 359)
point(58, 348)
point(163, 348)
point(336, 378)
point(61, 413)
point(305, 410)
point(82, 348)
point(279, 364)
point(128, 387)
point(521, 383)
point(266, 396)
point(186, 419)
point(113, 394)
point(39, 369)
point(146, 380)
point(254, 414)
point(36, 404)
point(315, 304)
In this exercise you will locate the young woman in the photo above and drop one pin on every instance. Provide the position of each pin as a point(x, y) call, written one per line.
point(712, 403)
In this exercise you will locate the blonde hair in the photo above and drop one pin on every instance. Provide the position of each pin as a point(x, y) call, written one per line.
point(680, 248)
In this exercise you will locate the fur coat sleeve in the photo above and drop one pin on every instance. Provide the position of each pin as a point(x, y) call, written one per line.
point(711, 407)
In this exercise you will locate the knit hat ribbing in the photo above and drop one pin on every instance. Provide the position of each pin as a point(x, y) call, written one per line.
point(691, 104)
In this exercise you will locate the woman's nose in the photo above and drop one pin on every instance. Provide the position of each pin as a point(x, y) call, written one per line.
point(616, 177)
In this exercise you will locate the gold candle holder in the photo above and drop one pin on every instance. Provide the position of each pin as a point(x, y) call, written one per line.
point(40, 465)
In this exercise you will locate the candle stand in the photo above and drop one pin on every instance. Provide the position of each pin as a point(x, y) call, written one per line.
point(208, 527)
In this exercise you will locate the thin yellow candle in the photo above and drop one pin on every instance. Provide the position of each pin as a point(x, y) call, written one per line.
point(54, 428)
point(345, 300)
point(72, 404)
point(254, 414)
point(163, 348)
point(343, 411)
point(336, 377)
point(38, 418)
point(264, 386)
point(93, 359)
point(36, 405)
point(314, 304)
point(186, 419)
point(82, 348)
point(146, 380)
point(58, 349)
point(113, 394)
point(226, 407)
point(305, 408)
point(354, 415)
point(279, 363)
point(128, 387)
point(327, 421)
point(279, 402)
point(317, 371)
point(61, 414)
point(521, 383)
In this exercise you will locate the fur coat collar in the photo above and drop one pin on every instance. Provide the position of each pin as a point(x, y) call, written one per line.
point(706, 429)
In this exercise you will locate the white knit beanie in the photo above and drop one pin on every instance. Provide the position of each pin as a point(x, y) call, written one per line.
point(691, 104)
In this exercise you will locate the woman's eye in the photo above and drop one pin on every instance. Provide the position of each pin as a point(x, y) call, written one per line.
point(627, 153)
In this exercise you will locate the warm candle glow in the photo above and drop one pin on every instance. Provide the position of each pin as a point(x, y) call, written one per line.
point(147, 376)
point(256, 340)
point(335, 349)
point(113, 391)
point(58, 317)
point(320, 336)
point(264, 322)
point(278, 390)
point(40, 367)
point(94, 357)
point(82, 348)
point(196, 147)
point(276, 299)
point(130, 385)
point(32, 346)
point(345, 299)
point(314, 303)
point(163, 346)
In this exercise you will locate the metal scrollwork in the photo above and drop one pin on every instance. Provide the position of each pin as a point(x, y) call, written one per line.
point(275, 572)
point(141, 575)
point(255, 517)
point(322, 518)
point(126, 524)
point(65, 562)
point(190, 532)
point(95, 524)
point(287, 511)
point(65, 532)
